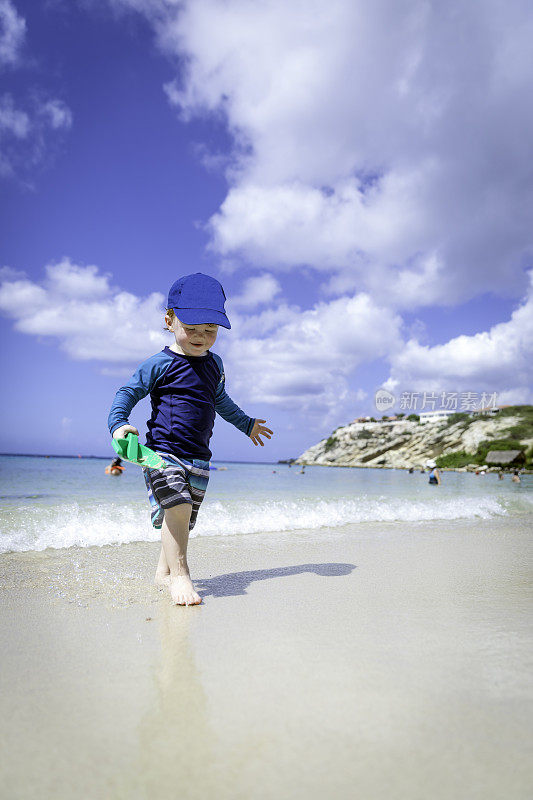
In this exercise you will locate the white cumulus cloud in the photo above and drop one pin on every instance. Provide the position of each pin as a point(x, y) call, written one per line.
point(498, 360)
point(376, 142)
point(72, 281)
point(57, 113)
point(30, 133)
point(258, 290)
point(12, 120)
point(12, 33)
point(299, 360)
point(31, 122)
point(303, 360)
point(89, 319)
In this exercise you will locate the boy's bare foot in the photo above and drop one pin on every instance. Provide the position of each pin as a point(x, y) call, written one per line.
point(183, 592)
point(162, 579)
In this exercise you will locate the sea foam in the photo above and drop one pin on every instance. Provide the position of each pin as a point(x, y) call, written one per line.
point(75, 524)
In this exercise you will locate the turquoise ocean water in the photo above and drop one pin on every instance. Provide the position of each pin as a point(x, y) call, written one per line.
point(61, 502)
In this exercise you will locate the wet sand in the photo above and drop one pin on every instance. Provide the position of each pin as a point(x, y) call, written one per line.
point(385, 661)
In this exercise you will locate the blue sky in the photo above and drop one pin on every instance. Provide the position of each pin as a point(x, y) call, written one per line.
point(358, 178)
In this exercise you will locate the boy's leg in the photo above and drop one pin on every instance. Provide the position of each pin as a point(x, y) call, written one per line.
point(175, 538)
point(162, 573)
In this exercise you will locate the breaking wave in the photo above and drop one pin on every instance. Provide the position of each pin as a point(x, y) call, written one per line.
point(37, 527)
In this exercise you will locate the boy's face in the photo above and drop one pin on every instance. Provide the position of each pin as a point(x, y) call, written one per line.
point(193, 340)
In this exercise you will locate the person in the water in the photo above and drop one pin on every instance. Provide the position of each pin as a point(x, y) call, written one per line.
point(434, 475)
point(115, 468)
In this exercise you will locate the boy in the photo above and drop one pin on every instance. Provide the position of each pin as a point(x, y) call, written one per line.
point(186, 386)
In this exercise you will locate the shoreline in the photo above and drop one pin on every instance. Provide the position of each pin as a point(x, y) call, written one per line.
point(380, 660)
point(506, 470)
point(296, 462)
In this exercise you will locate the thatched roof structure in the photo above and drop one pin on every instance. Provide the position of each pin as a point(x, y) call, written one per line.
point(505, 458)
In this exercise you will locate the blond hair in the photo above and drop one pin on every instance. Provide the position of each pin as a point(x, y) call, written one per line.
point(172, 315)
point(169, 313)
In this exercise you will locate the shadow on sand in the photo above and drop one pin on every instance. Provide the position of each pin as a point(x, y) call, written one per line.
point(236, 583)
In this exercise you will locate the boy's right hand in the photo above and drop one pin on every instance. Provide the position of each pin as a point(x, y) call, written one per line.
point(121, 432)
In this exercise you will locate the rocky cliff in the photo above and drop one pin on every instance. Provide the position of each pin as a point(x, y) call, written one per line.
point(405, 444)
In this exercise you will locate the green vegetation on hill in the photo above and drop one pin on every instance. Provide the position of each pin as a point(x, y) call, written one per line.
point(522, 430)
point(330, 443)
point(496, 444)
point(461, 416)
point(457, 459)
point(511, 437)
point(523, 411)
point(453, 419)
point(460, 458)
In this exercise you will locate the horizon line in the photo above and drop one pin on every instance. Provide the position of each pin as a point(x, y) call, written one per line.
point(107, 458)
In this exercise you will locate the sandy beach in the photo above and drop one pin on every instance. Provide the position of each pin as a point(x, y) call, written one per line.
point(383, 661)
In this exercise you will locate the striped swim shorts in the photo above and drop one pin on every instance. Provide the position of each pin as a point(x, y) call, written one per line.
point(180, 482)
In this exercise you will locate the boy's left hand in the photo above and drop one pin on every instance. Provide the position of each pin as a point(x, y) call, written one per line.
point(260, 430)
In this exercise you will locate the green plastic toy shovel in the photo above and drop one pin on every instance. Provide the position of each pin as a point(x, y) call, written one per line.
point(130, 450)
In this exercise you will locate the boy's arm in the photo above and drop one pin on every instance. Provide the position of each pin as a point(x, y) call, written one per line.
point(141, 383)
point(225, 406)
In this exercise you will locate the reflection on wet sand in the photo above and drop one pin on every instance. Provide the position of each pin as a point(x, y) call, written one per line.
point(174, 738)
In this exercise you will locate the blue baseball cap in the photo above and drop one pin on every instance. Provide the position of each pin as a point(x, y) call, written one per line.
point(198, 299)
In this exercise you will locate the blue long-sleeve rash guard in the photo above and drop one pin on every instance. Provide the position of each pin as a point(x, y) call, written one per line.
point(185, 391)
